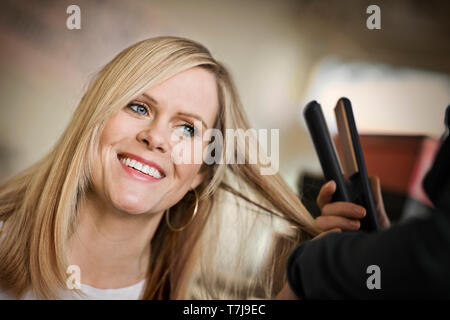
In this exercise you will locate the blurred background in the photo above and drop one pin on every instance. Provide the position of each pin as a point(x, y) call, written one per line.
point(282, 54)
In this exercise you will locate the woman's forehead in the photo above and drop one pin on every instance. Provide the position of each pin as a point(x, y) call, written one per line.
point(191, 91)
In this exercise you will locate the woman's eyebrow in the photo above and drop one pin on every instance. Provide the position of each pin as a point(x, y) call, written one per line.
point(186, 114)
point(153, 100)
point(192, 115)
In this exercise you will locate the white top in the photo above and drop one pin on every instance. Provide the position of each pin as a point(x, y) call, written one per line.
point(132, 292)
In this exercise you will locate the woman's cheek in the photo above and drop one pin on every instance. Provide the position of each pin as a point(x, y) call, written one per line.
point(187, 172)
point(187, 152)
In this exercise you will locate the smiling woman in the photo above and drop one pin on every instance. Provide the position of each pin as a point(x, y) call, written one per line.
point(97, 199)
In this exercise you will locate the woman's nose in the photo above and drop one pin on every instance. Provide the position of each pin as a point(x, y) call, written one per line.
point(155, 138)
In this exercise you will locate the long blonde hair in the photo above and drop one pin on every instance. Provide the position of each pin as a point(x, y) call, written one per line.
point(39, 205)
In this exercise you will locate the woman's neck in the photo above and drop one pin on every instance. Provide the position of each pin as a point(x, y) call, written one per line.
point(112, 248)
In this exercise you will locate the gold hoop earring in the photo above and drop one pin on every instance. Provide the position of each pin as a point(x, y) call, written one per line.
point(192, 218)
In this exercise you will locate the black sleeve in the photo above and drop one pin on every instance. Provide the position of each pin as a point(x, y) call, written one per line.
point(413, 260)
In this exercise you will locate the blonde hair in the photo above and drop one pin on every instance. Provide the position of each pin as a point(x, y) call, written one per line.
point(39, 205)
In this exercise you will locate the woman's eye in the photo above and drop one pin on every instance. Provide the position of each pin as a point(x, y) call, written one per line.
point(188, 130)
point(138, 108)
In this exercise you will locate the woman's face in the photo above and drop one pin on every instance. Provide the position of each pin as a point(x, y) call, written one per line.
point(134, 170)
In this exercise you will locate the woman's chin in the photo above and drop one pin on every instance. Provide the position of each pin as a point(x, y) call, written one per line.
point(132, 205)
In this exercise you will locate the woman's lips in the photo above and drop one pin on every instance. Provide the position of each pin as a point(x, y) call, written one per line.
point(139, 175)
point(135, 173)
point(141, 160)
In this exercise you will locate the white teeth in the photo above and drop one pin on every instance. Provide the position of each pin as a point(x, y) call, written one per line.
point(141, 167)
point(157, 174)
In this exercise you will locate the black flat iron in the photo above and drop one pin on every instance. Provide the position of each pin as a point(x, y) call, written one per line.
point(352, 183)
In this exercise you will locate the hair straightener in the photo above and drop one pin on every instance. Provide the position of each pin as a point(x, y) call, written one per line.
point(352, 184)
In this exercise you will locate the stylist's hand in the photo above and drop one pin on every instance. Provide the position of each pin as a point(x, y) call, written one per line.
point(345, 215)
